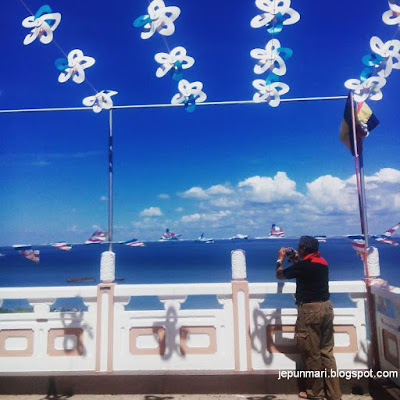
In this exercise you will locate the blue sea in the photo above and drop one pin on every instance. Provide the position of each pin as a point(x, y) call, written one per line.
point(181, 262)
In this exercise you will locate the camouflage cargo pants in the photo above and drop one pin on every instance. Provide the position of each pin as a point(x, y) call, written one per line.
point(314, 338)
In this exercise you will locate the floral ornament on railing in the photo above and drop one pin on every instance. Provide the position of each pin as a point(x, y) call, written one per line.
point(190, 94)
point(368, 89)
point(385, 57)
point(100, 101)
point(44, 22)
point(269, 92)
point(74, 66)
point(175, 62)
point(159, 19)
point(392, 16)
point(271, 58)
point(277, 13)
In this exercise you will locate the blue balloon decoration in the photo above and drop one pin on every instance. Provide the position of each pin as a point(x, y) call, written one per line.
point(61, 64)
point(285, 52)
point(366, 73)
point(141, 21)
point(372, 59)
point(190, 104)
point(276, 25)
point(271, 78)
point(177, 71)
point(43, 10)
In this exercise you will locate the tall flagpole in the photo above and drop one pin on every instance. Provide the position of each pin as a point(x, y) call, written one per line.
point(359, 167)
point(110, 181)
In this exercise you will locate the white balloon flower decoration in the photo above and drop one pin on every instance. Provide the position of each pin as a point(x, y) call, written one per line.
point(159, 19)
point(176, 59)
point(392, 16)
point(74, 66)
point(389, 51)
point(270, 58)
point(269, 92)
point(189, 94)
point(277, 13)
point(43, 23)
point(100, 101)
point(368, 89)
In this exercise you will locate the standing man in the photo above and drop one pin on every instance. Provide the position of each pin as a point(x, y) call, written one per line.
point(314, 325)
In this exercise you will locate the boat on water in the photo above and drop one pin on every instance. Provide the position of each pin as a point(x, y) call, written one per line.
point(82, 279)
point(320, 238)
point(239, 236)
point(202, 239)
point(169, 236)
point(97, 237)
point(62, 246)
point(133, 243)
point(276, 232)
point(26, 251)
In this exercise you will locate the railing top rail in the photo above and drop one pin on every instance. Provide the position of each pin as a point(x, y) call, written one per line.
point(43, 292)
point(182, 289)
point(290, 287)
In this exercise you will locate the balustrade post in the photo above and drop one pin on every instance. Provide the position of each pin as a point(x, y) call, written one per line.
point(105, 327)
point(241, 312)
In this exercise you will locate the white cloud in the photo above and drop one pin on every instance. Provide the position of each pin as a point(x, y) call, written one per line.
point(206, 217)
point(388, 175)
point(262, 189)
point(151, 212)
point(330, 194)
point(194, 193)
point(163, 196)
point(197, 192)
point(218, 189)
point(224, 202)
point(103, 198)
point(325, 205)
point(333, 195)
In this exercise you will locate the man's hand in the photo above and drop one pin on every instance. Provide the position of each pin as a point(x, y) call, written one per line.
point(279, 263)
point(282, 253)
point(294, 259)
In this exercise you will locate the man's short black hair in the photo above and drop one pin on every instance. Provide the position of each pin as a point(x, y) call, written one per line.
point(310, 244)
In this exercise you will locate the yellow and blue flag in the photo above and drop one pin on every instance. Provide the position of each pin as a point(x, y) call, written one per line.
point(366, 121)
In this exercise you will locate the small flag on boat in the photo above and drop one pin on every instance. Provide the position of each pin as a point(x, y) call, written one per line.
point(97, 237)
point(62, 246)
point(365, 120)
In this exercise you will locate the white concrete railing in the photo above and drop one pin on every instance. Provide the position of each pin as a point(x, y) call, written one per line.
point(106, 337)
point(240, 335)
point(387, 312)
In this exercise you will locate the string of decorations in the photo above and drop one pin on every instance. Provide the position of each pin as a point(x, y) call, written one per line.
point(160, 18)
point(271, 59)
point(73, 65)
point(379, 64)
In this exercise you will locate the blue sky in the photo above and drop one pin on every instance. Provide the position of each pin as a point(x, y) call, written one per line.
point(221, 170)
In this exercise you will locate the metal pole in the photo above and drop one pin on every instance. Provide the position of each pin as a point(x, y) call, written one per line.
point(359, 165)
point(110, 181)
point(364, 200)
point(144, 106)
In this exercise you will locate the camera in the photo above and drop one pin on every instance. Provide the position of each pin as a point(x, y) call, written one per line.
point(290, 252)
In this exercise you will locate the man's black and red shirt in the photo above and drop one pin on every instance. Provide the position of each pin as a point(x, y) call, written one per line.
point(312, 278)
